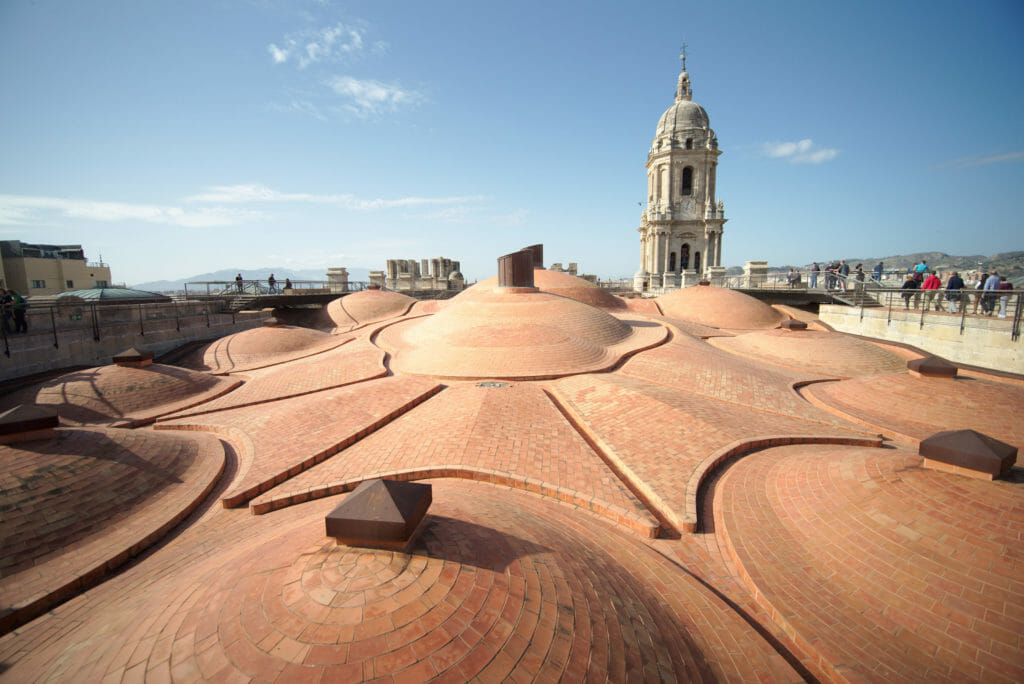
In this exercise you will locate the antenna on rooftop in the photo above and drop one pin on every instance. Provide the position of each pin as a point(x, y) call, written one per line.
point(682, 55)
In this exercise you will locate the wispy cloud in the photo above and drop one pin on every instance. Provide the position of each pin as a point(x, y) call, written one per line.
point(328, 44)
point(964, 162)
point(27, 210)
point(303, 106)
point(256, 193)
point(799, 152)
point(367, 96)
point(466, 215)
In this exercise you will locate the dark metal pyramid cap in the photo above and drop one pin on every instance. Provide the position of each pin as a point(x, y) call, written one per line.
point(793, 324)
point(380, 513)
point(27, 418)
point(933, 367)
point(133, 356)
point(970, 450)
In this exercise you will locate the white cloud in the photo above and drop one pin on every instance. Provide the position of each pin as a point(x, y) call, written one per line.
point(328, 44)
point(25, 210)
point(800, 152)
point(964, 162)
point(368, 96)
point(303, 106)
point(255, 192)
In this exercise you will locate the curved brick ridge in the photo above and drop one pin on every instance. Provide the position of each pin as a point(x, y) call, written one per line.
point(350, 363)
point(817, 351)
point(510, 435)
point(501, 584)
point(122, 394)
point(883, 570)
point(555, 282)
point(695, 366)
point(719, 307)
point(664, 460)
point(87, 501)
point(261, 347)
point(296, 434)
point(515, 335)
point(910, 409)
point(368, 306)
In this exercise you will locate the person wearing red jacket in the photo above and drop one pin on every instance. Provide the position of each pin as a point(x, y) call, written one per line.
point(931, 286)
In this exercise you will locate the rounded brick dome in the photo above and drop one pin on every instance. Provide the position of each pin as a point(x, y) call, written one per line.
point(108, 393)
point(264, 346)
point(819, 351)
point(368, 306)
point(719, 308)
point(514, 334)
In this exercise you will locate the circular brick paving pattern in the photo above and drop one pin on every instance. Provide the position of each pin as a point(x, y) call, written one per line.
point(882, 569)
point(818, 351)
point(496, 591)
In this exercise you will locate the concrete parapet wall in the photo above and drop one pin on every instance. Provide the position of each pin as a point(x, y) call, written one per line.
point(34, 352)
point(985, 342)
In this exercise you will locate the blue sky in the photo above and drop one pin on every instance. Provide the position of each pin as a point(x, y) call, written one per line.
point(180, 137)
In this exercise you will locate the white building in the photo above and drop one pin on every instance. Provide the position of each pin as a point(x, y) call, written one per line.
point(681, 229)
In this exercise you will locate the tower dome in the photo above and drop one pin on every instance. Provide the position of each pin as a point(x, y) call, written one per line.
point(682, 116)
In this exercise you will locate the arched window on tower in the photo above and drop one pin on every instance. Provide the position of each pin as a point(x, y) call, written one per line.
point(689, 143)
point(684, 256)
point(672, 262)
point(696, 262)
point(687, 188)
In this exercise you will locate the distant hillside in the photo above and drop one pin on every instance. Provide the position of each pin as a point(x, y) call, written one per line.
point(1009, 264)
point(228, 274)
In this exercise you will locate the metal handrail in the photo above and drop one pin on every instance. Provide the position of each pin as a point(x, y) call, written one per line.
point(261, 287)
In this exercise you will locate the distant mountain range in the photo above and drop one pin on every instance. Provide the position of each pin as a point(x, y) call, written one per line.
point(228, 275)
point(1009, 264)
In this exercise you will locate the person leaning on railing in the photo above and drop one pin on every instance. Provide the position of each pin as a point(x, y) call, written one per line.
point(909, 290)
point(954, 287)
point(988, 302)
point(931, 287)
point(1004, 297)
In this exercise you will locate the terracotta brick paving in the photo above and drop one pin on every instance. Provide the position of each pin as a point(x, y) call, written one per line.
point(699, 368)
point(871, 565)
point(278, 442)
point(511, 434)
point(122, 394)
point(816, 351)
point(507, 586)
point(917, 407)
point(667, 459)
point(77, 505)
point(355, 361)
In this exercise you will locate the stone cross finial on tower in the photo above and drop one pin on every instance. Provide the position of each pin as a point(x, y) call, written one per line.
point(682, 55)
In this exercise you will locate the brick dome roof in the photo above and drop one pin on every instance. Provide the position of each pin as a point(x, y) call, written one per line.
point(719, 308)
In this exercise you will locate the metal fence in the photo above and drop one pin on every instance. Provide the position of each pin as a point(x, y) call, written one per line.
point(103, 320)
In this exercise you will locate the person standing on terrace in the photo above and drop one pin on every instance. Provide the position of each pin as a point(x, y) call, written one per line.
point(931, 287)
point(954, 290)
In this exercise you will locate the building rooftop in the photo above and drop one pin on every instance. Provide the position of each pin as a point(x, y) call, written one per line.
point(695, 495)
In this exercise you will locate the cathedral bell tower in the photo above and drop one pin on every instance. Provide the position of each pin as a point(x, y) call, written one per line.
point(681, 229)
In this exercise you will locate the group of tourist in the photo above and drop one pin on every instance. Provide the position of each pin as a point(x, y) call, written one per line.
point(922, 281)
point(13, 307)
point(837, 275)
point(271, 284)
